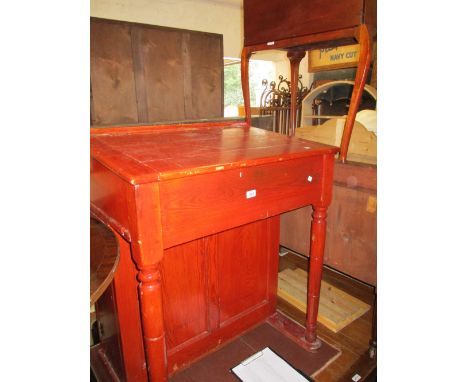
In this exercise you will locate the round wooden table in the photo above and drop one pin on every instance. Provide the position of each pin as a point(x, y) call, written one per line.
point(104, 258)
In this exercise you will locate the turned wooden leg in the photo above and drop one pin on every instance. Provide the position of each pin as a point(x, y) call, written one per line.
point(295, 56)
point(373, 341)
point(151, 318)
point(245, 57)
point(147, 252)
point(317, 246)
point(365, 50)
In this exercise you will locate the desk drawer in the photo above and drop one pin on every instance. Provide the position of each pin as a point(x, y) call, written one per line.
point(201, 205)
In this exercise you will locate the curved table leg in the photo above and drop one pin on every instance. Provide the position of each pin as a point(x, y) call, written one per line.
point(245, 57)
point(295, 56)
point(365, 47)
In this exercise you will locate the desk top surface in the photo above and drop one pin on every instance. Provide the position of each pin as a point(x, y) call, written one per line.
point(154, 153)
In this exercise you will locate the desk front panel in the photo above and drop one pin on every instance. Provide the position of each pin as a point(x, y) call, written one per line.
point(216, 287)
point(202, 205)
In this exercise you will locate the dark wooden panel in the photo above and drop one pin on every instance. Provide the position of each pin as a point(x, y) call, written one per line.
point(206, 68)
point(109, 335)
point(112, 80)
point(352, 235)
point(185, 286)
point(370, 16)
point(273, 20)
point(145, 73)
point(243, 260)
point(351, 245)
point(159, 52)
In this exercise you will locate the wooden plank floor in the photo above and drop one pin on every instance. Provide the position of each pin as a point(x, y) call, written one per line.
point(352, 340)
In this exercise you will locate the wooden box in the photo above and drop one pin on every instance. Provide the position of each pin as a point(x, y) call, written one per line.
point(274, 20)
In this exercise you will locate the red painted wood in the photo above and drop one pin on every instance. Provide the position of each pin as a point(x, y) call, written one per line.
point(317, 245)
point(305, 25)
point(108, 200)
point(185, 314)
point(240, 267)
point(245, 57)
point(211, 201)
point(163, 186)
point(128, 308)
point(365, 52)
point(218, 148)
point(276, 19)
point(238, 253)
point(147, 251)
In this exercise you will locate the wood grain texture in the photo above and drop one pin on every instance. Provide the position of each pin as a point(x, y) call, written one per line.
point(211, 201)
point(352, 223)
point(206, 80)
point(142, 73)
point(112, 75)
point(229, 283)
point(128, 308)
point(365, 53)
point(310, 24)
point(160, 53)
point(337, 309)
point(107, 197)
point(353, 340)
point(184, 293)
point(247, 253)
point(295, 57)
point(298, 18)
point(169, 152)
point(231, 276)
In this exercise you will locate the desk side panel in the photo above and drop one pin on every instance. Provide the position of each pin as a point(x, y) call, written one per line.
point(185, 299)
point(108, 198)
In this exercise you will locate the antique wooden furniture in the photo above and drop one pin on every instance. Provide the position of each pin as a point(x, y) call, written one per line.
point(197, 209)
point(308, 24)
point(104, 258)
point(144, 73)
point(352, 224)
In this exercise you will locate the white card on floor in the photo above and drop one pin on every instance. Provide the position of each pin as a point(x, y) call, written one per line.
point(267, 366)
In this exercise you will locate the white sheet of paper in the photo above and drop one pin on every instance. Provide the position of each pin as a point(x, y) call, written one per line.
point(266, 366)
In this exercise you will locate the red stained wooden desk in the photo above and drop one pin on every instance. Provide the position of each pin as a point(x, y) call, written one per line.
point(197, 211)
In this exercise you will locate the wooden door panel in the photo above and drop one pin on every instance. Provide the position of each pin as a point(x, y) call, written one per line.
point(112, 79)
point(352, 235)
point(206, 74)
point(160, 72)
point(184, 281)
point(243, 264)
